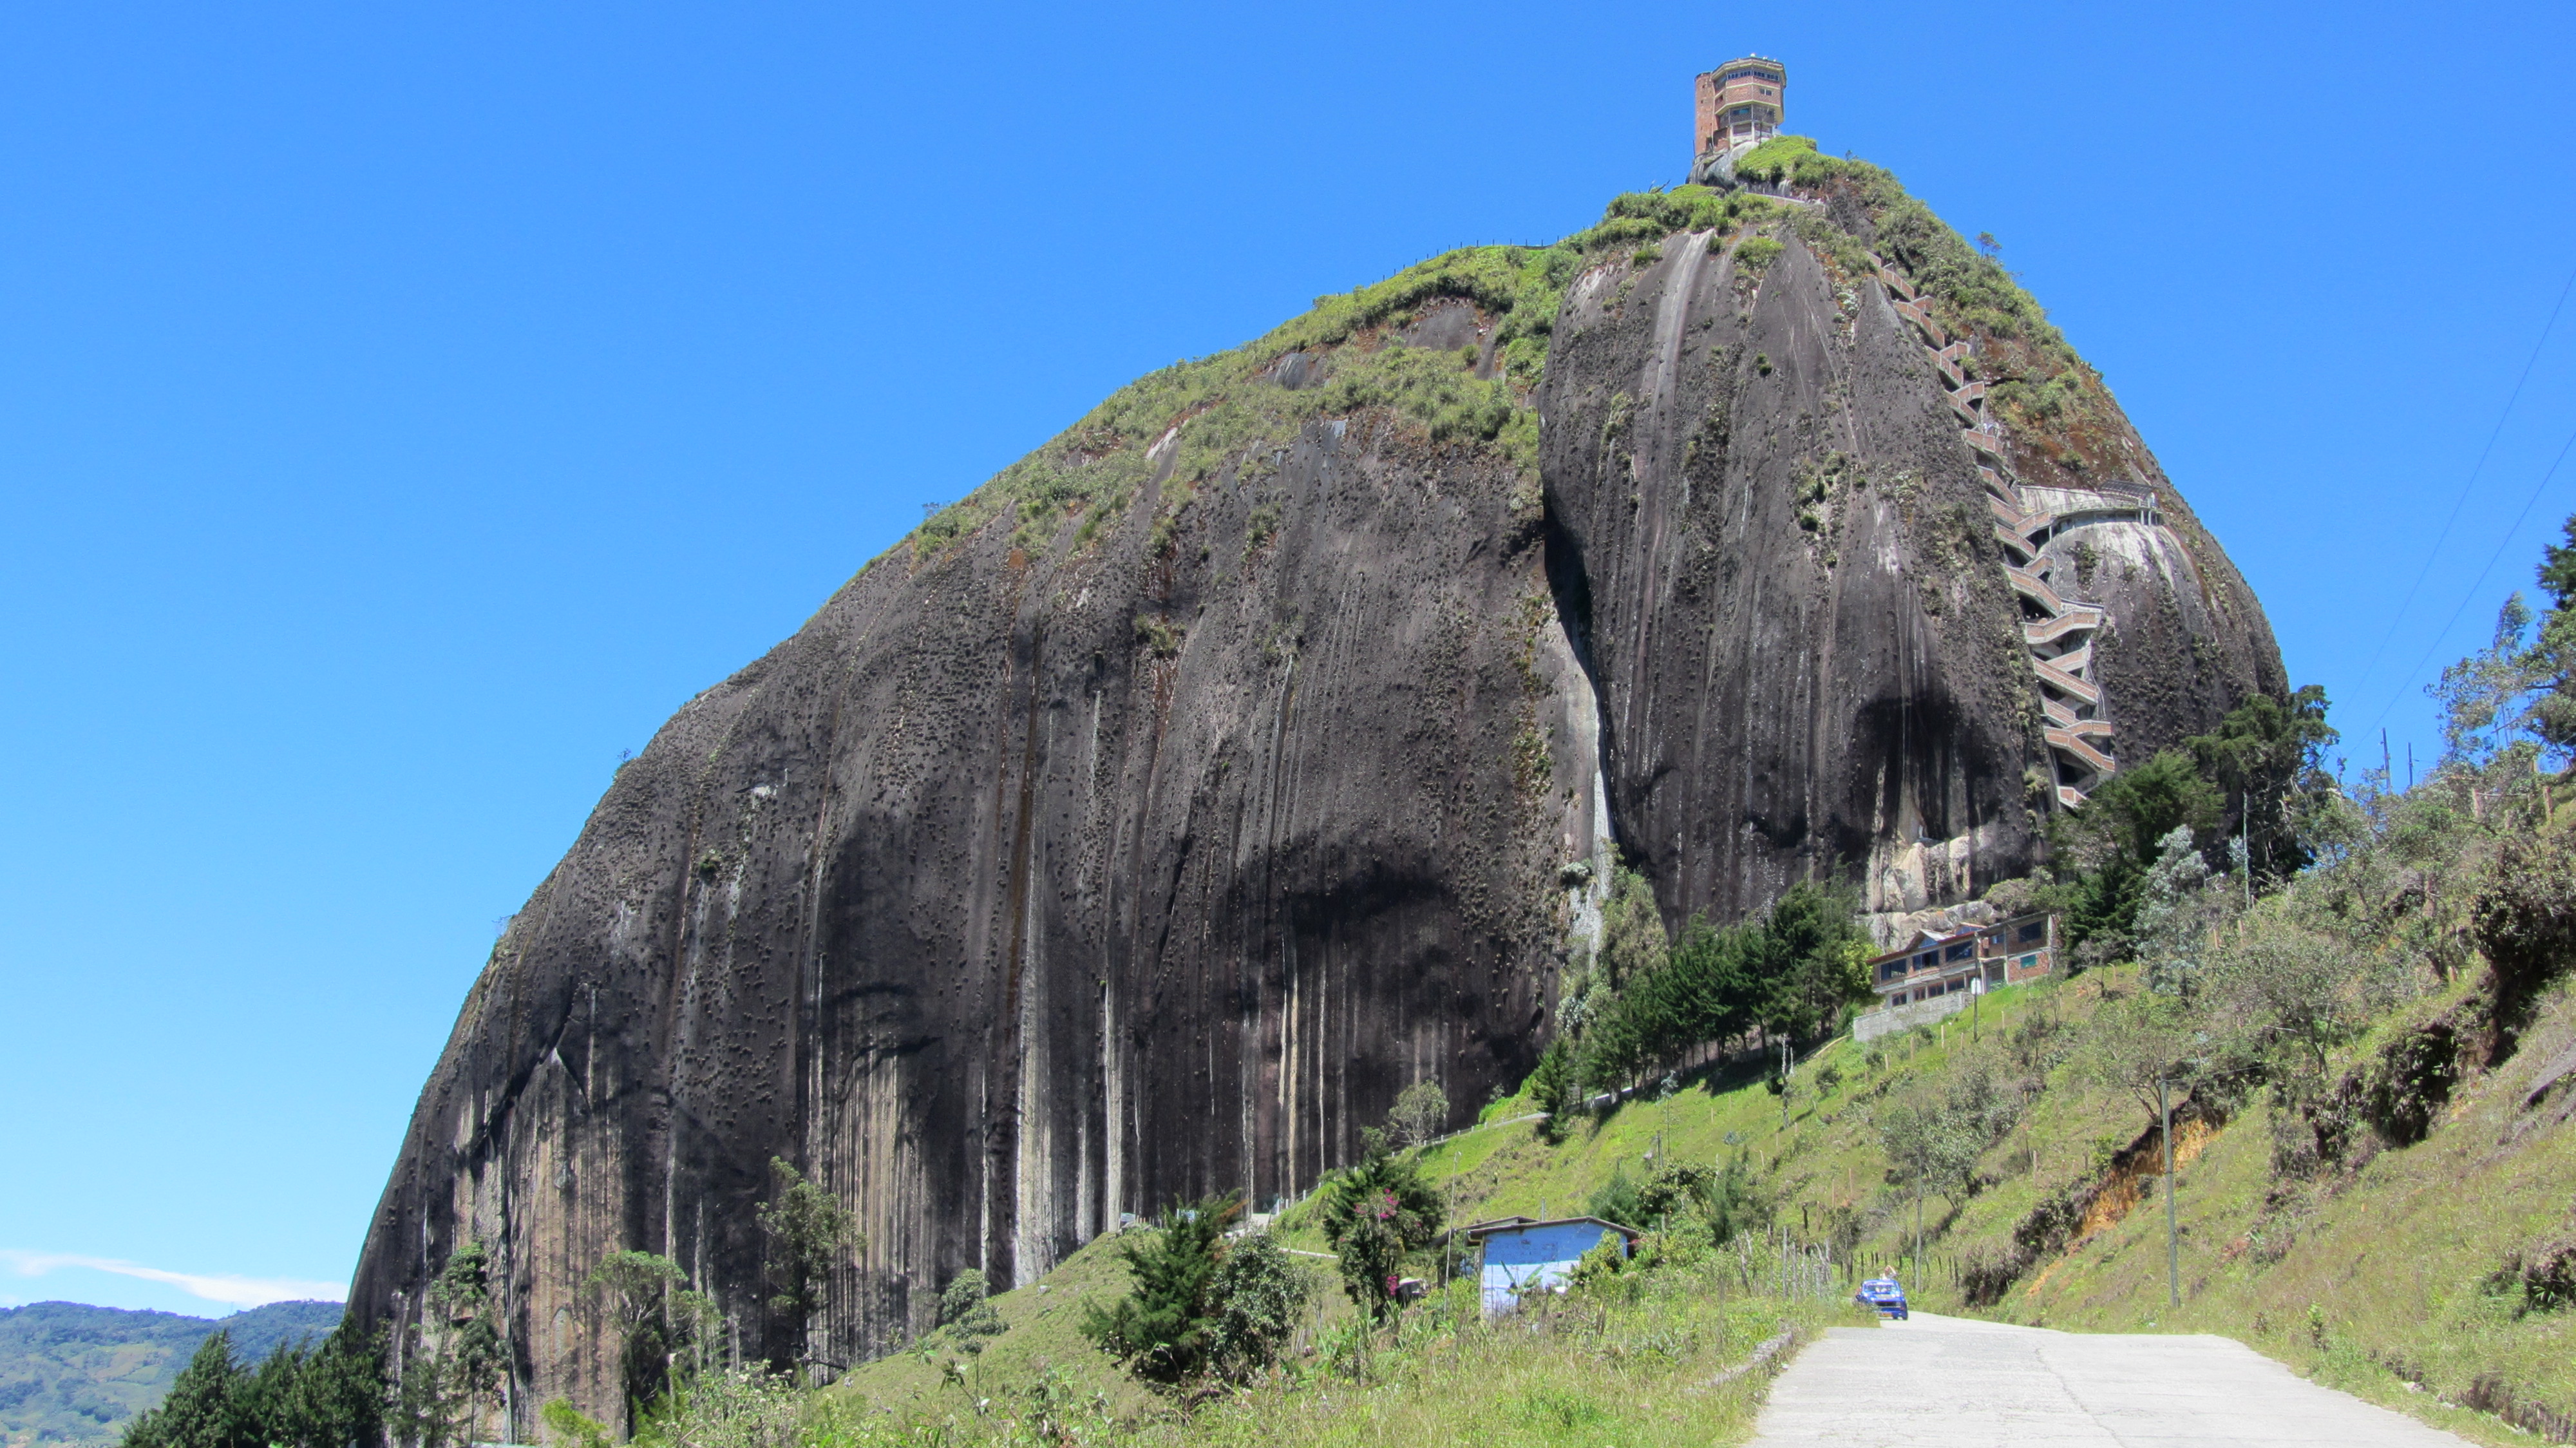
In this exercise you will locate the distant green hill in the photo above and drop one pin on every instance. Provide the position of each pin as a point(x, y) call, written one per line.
point(71, 1373)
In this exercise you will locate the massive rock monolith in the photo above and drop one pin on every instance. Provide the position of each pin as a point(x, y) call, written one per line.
point(1139, 829)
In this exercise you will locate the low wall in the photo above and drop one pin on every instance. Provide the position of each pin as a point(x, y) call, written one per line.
point(1905, 1018)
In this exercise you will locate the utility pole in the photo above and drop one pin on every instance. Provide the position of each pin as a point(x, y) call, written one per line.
point(2173, 1251)
point(1784, 1083)
point(1918, 1224)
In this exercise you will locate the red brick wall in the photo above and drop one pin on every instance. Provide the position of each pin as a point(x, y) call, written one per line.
point(1711, 102)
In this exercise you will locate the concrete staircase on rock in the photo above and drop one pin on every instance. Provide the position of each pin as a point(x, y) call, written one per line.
point(2057, 631)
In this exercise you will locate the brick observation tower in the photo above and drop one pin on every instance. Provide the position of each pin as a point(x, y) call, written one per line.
point(1739, 105)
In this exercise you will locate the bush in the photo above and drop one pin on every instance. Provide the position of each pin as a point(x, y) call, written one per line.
point(573, 1428)
point(2526, 915)
point(1161, 639)
point(966, 1311)
point(748, 1408)
point(1202, 1306)
point(1260, 1290)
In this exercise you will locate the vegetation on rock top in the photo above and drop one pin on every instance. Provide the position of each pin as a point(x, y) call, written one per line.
point(1171, 432)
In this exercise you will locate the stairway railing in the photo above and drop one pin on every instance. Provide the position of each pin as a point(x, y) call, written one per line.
point(2060, 641)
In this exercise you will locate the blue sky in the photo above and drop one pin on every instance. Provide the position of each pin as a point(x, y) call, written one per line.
point(404, 408)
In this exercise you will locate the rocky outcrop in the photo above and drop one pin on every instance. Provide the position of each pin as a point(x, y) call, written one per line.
point(1139, 829)
point(1018, 892)
point(1810, 652)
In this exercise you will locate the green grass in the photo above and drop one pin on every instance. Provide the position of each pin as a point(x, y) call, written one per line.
point(1632, 1365)
point(1160, 439)
point(2395, 1258)
point(1042, 1334)
point(1214, 416)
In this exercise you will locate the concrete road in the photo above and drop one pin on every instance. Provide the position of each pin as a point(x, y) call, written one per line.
point(1950, 1382)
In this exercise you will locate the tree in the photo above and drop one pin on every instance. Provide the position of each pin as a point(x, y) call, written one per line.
point(2487, 698)
point(1934, 1147)
point(202, 1409)
point(1376, 1215)
point(2107, 844)
point(2136, 1045)
point(810, 1235)
point(329, 1397)
point(2551, 664)
point(1165, 1329)
point(1813, 954)
point(452, 1376)
point(1617, 1200)
point(2171, 930)
point(2285, 995)
point(1791, 970)
point(647, 1299)
point(1633, 943)
point(1420, 1111)
point(2267, 761)
point(339, 1396)
point(1735, 1202)
point(1552, 1086)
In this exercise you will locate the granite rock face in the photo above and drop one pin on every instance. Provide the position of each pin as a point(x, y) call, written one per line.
point(1013, 894)
point(1782, 571)
point(1135, 855)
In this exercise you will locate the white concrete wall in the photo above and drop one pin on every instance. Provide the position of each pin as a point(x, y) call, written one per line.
point(1904, 1018)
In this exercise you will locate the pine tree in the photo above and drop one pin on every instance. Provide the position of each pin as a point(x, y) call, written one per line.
point(201, 1410)
point(1165, 1328)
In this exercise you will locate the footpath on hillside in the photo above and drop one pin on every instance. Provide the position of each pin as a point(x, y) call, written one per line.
point(1948, 1380)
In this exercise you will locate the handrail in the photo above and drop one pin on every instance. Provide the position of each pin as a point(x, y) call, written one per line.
point(2049, 631)
point(2024, 532)
point(2065, 683)
point(2081, 749)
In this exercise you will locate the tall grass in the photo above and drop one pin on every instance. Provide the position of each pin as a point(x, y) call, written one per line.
point(1644, 1363)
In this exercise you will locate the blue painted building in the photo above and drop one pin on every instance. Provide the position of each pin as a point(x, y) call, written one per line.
point(1522, 1254)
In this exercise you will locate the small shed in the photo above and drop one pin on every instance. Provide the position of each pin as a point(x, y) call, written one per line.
point(1524, 1254)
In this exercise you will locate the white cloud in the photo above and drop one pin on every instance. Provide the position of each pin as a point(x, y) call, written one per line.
point(214, 1287)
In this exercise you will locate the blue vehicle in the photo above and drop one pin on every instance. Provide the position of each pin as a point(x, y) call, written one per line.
point(1883, 1295)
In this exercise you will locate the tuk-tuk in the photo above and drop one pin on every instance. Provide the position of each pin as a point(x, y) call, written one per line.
point(1883, 1296)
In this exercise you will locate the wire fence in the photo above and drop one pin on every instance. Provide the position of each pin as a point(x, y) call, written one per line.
point(1780, 1261)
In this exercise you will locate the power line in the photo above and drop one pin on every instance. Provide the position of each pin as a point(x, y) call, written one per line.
point(2465, 487)
point(2501, 545)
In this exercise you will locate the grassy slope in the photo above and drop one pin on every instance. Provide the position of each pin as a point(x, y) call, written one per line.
point(2392, 1259)
point(1042, 1335)
point(1633, 1369)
